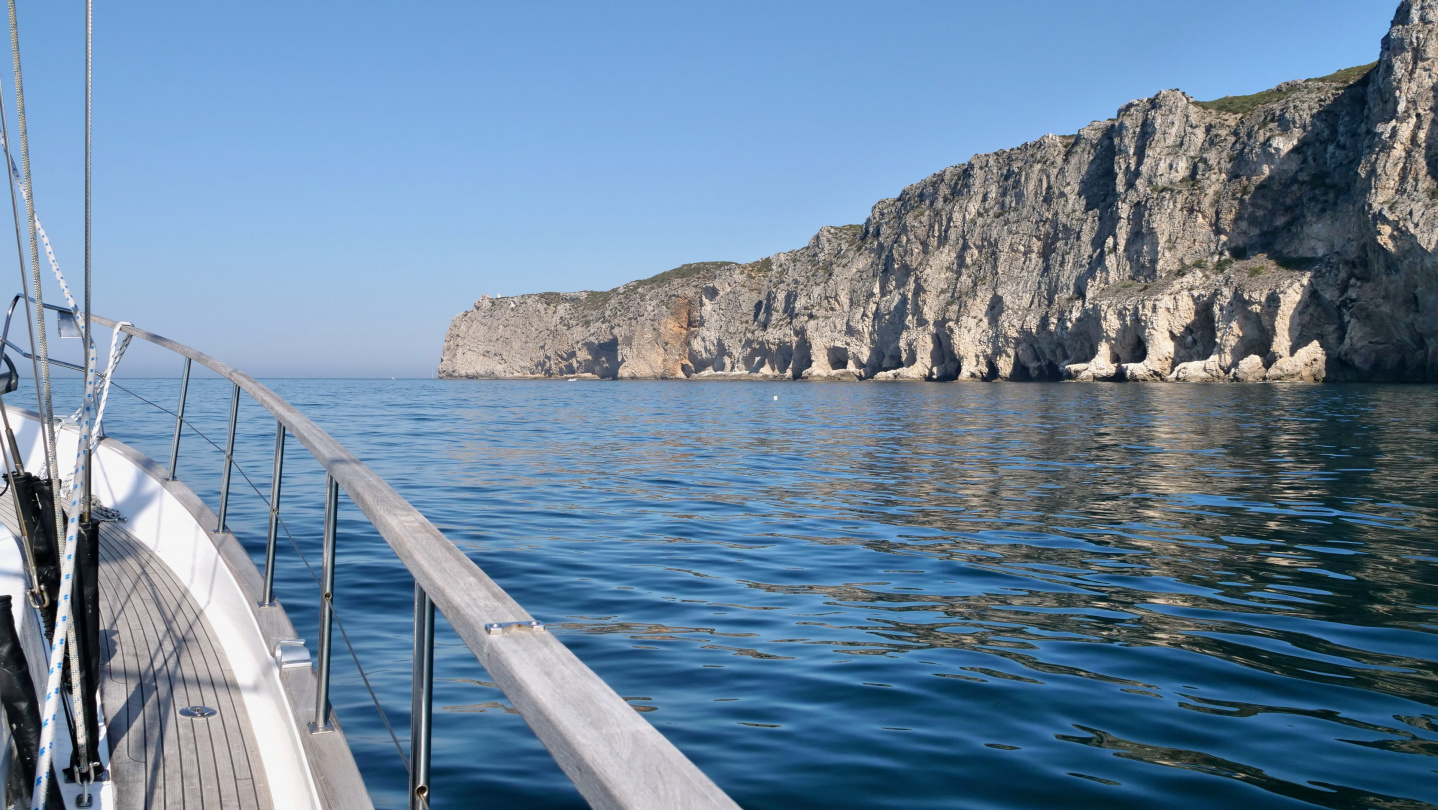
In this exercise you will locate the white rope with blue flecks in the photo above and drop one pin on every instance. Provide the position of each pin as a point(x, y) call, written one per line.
point(119, 342)
point(118, 345)
point(44, 237)
point(64, 640)
point(64, 628)
point(64, 635)
point(89, 419)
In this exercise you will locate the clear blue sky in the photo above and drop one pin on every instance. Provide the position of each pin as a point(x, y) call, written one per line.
point(315, 189)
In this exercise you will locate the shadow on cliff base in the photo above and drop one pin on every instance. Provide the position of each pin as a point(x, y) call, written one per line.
point(1360, 301)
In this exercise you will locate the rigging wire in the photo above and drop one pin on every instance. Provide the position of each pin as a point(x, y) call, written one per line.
point(27, 190)
point(84, 762)
point(20, 254)
point(374, 698)
point(64, 640)
point(89, 131)
point(40, 359)
point(38, 596)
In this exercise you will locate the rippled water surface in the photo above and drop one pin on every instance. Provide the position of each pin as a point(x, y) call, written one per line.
point(905, 596)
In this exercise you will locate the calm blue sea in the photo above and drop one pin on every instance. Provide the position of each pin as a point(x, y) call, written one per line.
point(896, 596)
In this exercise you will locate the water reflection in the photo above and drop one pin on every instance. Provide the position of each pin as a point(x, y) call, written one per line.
point(916, 596)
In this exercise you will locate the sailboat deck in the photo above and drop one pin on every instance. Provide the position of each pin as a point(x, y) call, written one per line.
point(159, 655)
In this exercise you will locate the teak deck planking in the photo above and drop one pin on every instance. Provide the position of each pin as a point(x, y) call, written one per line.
point(159, 656)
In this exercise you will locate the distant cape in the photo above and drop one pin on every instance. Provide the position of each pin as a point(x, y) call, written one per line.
point(1282, 236)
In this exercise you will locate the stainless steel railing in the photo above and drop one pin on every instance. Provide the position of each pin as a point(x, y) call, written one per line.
point(611, 754)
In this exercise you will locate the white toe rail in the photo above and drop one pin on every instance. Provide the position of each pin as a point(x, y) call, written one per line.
point(613, 756)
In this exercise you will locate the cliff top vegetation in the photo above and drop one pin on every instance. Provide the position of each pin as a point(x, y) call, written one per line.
point(1241, 105)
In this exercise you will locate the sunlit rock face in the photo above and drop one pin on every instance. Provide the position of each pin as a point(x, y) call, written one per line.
point(1287, 236)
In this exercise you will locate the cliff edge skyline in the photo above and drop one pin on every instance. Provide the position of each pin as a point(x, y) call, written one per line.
point(1282, 236)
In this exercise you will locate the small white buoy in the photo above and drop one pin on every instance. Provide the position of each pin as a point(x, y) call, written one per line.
point(776, 397)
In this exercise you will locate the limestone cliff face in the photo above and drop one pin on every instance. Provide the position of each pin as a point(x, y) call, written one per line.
point(1285, 236)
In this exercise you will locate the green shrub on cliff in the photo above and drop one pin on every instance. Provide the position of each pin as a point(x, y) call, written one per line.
point(1241, 105)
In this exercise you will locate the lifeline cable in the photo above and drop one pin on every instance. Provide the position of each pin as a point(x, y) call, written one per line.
point(44, 239)
point(344, 634)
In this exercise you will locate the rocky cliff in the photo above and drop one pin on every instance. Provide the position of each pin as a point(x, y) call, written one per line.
point(1288, 235)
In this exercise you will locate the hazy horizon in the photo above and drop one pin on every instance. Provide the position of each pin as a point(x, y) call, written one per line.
point(317, 191)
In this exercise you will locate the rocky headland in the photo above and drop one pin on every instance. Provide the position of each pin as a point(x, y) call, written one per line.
point(1284, 236)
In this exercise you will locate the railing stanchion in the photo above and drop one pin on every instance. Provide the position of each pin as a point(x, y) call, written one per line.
point(327, 610)
point(545, 682)
point(179, 419)
point(229, 460)
point(268, 598)
point(422, 700)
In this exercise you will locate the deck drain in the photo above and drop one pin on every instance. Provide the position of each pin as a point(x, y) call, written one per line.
point(198, 711)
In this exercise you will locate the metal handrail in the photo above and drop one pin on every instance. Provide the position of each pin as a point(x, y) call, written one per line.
point(5, 334)
point(613, 756)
